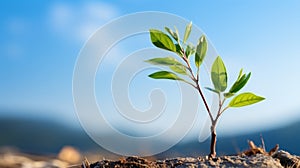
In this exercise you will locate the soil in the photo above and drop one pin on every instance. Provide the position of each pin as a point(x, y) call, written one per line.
point(255, 156)
point(278, 160)
point(71, 158)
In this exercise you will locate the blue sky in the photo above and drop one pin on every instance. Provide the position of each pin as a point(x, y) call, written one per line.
point(40, 42)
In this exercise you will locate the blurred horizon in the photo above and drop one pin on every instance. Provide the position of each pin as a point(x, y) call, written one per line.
point(41, 40)
point(47, 137)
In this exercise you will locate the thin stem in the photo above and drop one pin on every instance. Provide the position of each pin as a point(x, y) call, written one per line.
point(220, 103)
point(214, 122)
point(213, 142)
point(220, 111)
point(196, 80)
point(190, 83)
point(204, 101)
point(224, 109)
point(190, 70)
point(189, 75)
point(197, 75)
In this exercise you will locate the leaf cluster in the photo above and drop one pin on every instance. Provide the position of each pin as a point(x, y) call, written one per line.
point(172, 42)
point(219, 80)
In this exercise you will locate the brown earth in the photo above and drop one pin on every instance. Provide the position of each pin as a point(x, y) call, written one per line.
point(253, 157)
point(279, 160)
point(69, 157)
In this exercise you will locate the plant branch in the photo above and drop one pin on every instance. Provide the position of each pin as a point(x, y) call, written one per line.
point(190, 83)
point(224, 110)
point(197, 75)
point(220, 110)
point(185, 59)
point(204, 101)
point(196, 80)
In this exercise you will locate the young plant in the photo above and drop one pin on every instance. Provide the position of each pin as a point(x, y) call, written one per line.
point(182, 71)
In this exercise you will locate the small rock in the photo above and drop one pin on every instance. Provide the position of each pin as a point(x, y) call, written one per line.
point(70, 155)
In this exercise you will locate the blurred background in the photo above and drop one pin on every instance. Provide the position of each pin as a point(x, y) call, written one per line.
point(40, 42)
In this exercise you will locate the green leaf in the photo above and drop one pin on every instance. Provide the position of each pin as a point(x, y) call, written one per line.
point(245, 99)
point(173, 34)
point(164, 75)
point(173, 64)
point(187, 32)
point(240, 74)
point(200, 51)
point(165, 61)
point(162, 40)
point(219, 75)
point(190, 50)
point(240, 83)
point(179, 68)
point(212, 90)
point(228, 95)
point(178, 50)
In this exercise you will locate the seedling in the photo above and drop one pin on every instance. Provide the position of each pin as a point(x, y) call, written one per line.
point(181, 70)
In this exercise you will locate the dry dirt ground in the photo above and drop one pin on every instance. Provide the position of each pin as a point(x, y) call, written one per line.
point(255, 156)
point(71, 158)
point(278, 160)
